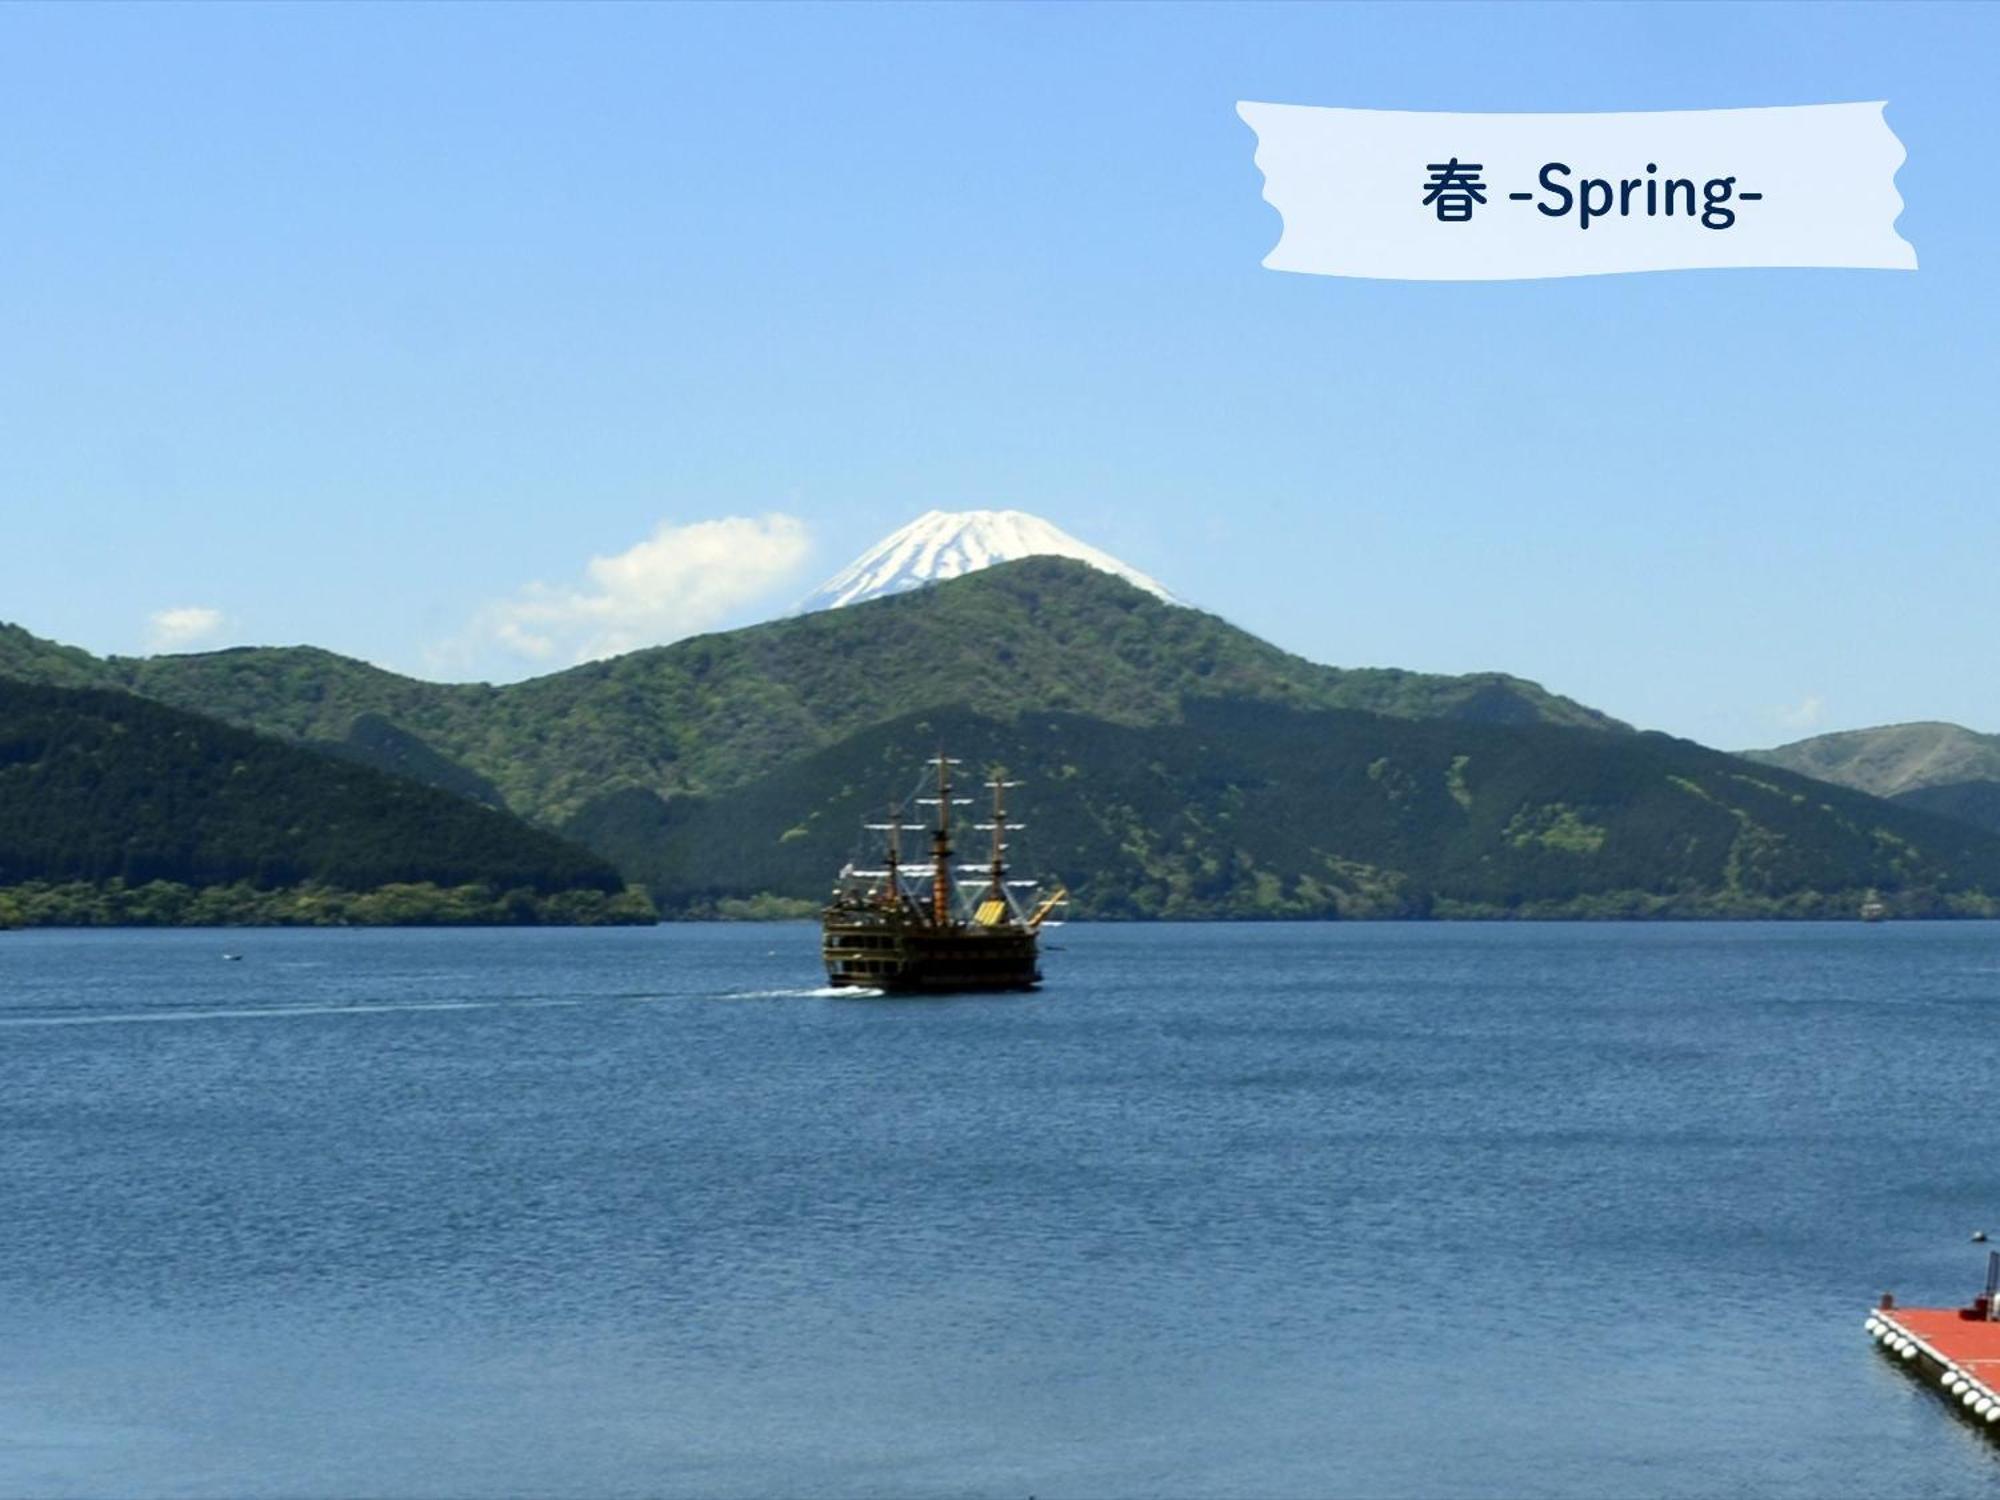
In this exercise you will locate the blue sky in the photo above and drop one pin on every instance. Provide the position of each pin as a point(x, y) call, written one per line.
point(351, 324)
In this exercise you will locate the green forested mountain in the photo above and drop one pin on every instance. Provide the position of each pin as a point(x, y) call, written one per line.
point(1178, 767)
point(29, 658)
point(1255, 809)
point(712, 713)
point(105, 796)
point(1892, 758)
point(1940, 768)
point(1975, 802)
point(375, 741)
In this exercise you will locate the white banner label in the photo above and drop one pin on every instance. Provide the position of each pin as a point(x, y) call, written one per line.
point(1410, 196)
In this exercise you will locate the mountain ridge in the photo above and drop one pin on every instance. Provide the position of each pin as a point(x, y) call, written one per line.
point(1889, 759)
point(1211, 773)
point(1932, 764)
point(709, 712)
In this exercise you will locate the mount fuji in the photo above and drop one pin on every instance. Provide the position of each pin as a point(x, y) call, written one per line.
point(942, 544)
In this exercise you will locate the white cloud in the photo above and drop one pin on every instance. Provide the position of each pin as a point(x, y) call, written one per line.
point(182, 628)
point(1807, 713)
point(679, 580)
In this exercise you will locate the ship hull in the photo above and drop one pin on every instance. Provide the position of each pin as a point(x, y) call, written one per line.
point(928, 960)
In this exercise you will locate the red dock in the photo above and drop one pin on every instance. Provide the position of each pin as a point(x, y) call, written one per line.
point(1957, 1349)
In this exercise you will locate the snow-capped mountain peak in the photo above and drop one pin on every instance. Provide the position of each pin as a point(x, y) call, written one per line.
point(944, 544)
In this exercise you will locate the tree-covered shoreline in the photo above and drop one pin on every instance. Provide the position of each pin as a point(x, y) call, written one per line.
point(163, 903)
point(119, 812)
point(1613, 906)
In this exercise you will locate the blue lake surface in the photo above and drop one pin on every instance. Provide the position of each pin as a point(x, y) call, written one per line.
point(1261, 1210)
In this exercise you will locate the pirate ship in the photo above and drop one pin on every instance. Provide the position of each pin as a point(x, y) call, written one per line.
point(913, 927)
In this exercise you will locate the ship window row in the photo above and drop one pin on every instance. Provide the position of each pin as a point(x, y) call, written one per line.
point(863, 940)
point(868, 966)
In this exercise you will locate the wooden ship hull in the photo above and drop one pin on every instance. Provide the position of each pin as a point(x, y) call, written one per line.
point(863, 954)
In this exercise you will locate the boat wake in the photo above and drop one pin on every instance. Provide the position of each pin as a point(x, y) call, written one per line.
point(268, 1012)
point(819, 992)
point(167, 1014)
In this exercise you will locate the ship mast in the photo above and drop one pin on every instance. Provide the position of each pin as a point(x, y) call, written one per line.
point(890, 892)
point(999, 842)
point(893, 897)
point(941, 846)
point(997, 869)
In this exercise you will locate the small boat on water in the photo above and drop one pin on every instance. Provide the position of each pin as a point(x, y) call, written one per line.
point(910, 928)
point(1873, 909)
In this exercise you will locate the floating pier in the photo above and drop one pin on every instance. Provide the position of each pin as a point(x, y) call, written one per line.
point(1955, 1349)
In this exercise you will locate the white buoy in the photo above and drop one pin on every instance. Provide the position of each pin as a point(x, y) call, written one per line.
point(1871, 1326)
point(1909, 1350)
point(1994, 1414)
point(1970, 1398)
point(1982, 1406)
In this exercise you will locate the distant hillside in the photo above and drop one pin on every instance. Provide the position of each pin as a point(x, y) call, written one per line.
point(713, 713)
point(373, 741)
point(29, 658)
point(1255, 809)
point(1975, 802)
point(113, 808)
point(1892, 759)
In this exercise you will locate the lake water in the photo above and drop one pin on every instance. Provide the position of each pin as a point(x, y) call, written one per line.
point(1368, 1210)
